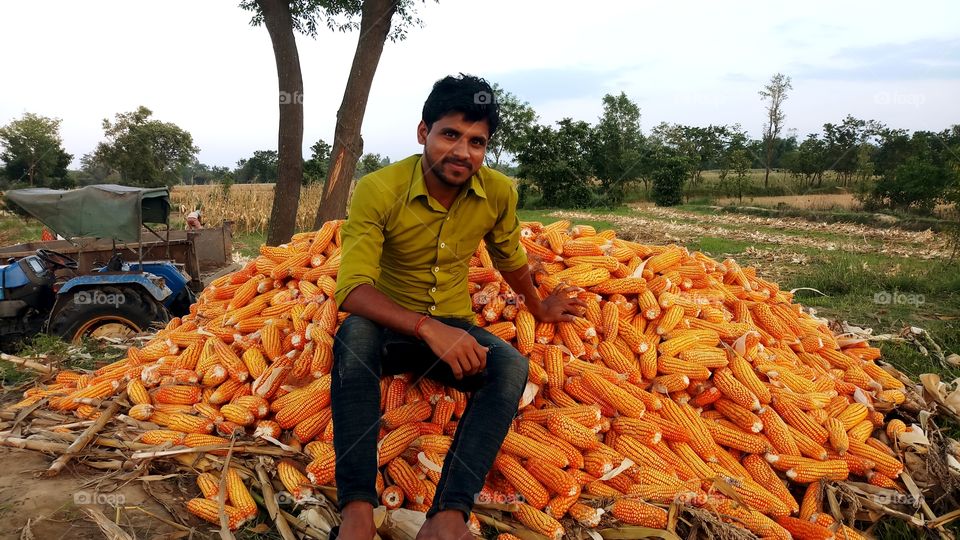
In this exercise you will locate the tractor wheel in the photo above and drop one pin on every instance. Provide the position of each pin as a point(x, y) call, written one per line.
point(114, 312)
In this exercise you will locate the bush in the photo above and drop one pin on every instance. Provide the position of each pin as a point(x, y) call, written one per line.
point(668, 173)
point(915, 184)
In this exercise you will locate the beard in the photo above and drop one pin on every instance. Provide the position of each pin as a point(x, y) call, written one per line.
point(437, 167)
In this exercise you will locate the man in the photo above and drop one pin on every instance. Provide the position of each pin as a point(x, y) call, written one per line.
point(406, 246)
point(194, 222)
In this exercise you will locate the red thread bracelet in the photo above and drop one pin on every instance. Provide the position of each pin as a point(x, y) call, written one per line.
point(416, 328)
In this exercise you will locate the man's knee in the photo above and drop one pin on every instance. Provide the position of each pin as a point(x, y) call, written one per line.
point(356, 346)
point(509, 368)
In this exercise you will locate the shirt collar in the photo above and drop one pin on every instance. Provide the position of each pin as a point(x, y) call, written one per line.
point(418, 186)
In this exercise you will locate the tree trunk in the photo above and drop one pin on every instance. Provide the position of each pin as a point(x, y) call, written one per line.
point(286, 195)
point(766, 175)
point(347, 144)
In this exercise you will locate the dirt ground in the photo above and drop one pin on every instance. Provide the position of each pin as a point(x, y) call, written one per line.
point(53, 508)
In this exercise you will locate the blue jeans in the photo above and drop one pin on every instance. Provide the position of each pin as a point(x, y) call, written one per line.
point(363, 351)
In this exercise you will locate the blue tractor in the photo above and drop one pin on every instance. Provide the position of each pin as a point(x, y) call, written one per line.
point(47, 291)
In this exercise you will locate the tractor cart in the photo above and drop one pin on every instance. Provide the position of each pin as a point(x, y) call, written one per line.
point(113, 275)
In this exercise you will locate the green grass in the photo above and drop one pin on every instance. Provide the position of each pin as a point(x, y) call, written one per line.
point(925, 294)
point(884, 220)
point(89, 356)
point(17, 230)
point(248, 244)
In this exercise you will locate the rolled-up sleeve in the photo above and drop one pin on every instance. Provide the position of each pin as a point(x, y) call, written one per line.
point(361, 240)
point(503, 241)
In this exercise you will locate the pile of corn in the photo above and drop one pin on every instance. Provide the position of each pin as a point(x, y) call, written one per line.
point(686, 379)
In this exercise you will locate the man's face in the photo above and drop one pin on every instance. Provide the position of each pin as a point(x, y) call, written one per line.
point(454, 148)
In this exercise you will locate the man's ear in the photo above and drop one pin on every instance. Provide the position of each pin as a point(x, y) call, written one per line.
point(422, 132)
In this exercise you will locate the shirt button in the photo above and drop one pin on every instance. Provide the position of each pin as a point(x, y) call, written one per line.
point(433, 289)
point(442, 245)
point(436, 269)
point(433, 308)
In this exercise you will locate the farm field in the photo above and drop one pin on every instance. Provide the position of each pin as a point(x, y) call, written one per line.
point(886, 279)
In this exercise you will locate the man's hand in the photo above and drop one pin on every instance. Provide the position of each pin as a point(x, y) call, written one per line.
point(559, 306)
point(456, 347)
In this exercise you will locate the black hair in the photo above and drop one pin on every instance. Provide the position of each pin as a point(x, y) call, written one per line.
point(465, 94)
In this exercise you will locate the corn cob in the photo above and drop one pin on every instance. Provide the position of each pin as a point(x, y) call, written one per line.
point(323, 467)
point(635, 512)
point(417, 411)
point(523, 481)
point(799, 528)
point(625, 403)
point(544, 436)
point(404, 476)
point(538, 522)
point(525, 447)
point(209, 485)
point(157, 437)
point(210, 511)
point(396, 442)
point(392, 497)
point(779, 434)
point(240, 498)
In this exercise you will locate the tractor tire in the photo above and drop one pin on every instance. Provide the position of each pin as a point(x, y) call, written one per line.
point(79, 317)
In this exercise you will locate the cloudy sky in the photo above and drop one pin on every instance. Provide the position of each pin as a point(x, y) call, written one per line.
point(199, 64)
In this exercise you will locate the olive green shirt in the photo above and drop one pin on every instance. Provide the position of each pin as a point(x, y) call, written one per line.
point(406, 244)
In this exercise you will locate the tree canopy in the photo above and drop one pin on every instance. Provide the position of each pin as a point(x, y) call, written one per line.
point(33, 150)
point(145, 151)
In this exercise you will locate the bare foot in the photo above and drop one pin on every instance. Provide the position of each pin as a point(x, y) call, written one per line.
point(357, 522)
point(445, 525)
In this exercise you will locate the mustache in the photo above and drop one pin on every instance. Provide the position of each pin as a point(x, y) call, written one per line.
point(454, 161)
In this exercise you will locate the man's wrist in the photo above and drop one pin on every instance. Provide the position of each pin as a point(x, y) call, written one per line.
point(428, 327)
point(535, 308)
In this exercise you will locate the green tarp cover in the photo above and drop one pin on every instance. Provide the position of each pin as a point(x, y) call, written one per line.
point(100, 211)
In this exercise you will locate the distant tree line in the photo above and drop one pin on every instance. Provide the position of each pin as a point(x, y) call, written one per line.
point(139, 150)
point(577, 164)
point(570, 164)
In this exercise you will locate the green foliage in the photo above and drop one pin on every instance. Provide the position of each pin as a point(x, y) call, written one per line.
point(616, 147)
point(369, 163)
point(557, 162)
point(315, 168)
point(668, 171)
point(32, 151)
point(843, 142)
point(145, 151)
point(919, 173)
point(703, 147)
point(337, 15)
point(260, 168)
point(809, 161)
point(516, 119)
